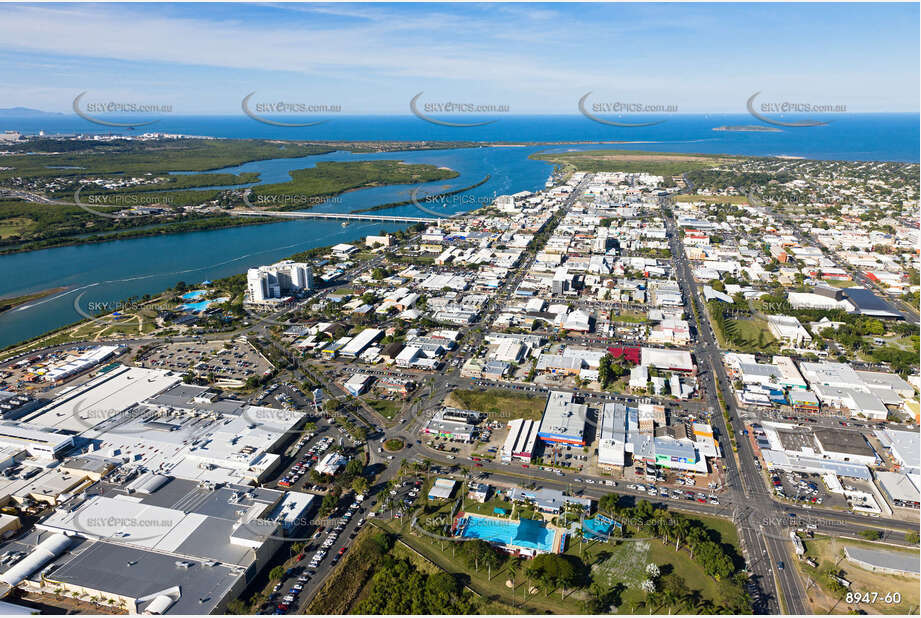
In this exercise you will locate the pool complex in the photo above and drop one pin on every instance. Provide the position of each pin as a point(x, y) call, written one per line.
point(524, 533)
point(202, 304)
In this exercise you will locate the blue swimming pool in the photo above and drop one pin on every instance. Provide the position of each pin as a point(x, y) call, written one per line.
point(527, 533)
point(193, 295)
point(202, 304)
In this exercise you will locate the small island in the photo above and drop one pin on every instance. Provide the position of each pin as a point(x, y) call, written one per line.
point(748, 128)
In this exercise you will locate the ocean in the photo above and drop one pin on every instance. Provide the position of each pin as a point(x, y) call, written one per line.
point(852, 137)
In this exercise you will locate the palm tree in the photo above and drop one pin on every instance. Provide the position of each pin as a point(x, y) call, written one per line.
point(514, 568)
point(680, 530)
point(695, 536)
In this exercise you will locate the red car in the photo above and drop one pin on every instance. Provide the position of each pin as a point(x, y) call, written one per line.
point(342, 551)
point(525, 466)
point(478, 465)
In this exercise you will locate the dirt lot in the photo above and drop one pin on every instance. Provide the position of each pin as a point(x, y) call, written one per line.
point(827, 550)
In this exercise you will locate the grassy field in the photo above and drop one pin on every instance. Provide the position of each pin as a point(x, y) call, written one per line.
point(498, 404)
point(630, 317)
point(626, 563)
point(660, 163)
point(750, 335)
point(713, 199)
point(14, 226)
point(840, 283)
point(385, 407)
point(828, 551)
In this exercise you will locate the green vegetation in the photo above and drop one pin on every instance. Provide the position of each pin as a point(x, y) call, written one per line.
point(856, 333)
point(609, 369)
point(393, 444)
point(191, 181)
point(330, 178)
point(498, 403)
point(135, 158)
point(28, 226)
point(713, 199)
point(659, 163)
point(384, 407)
point(399, 587)
point(718, 556)
point(745, 333)
point(743, 182)
point(695, 565)
point(343, 587)
point(40, 226)
point(10, 303)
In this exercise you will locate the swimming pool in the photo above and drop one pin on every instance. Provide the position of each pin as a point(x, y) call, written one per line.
point(526, 533)
point(202, 304)
point(193, 295)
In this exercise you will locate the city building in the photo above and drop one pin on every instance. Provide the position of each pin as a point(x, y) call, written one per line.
point(285, 278)
point(521, 440)
point(563, 420)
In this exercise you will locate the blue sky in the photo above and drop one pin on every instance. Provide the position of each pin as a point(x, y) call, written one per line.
point(535, 58)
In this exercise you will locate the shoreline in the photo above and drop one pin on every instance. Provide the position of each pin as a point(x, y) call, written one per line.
point(12, 303)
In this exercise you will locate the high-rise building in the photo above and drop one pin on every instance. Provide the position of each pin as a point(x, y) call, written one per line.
point(277, 280)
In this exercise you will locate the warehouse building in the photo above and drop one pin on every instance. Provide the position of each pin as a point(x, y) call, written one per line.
point(563, 420)
point(360, 342)
point(522, 437)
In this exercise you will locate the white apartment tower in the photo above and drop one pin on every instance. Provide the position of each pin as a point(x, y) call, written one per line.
point(277, 280)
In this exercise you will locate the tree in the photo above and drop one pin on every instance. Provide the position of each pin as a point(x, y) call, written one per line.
point(871, 535)
point(479, 554)
point(514, 568)
point(354, 468)
point(277, 573)
point(552, 570)
point(360, 485)
point(912, 538)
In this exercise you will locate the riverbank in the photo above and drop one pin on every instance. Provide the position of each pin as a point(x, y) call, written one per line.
point(8, 304)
